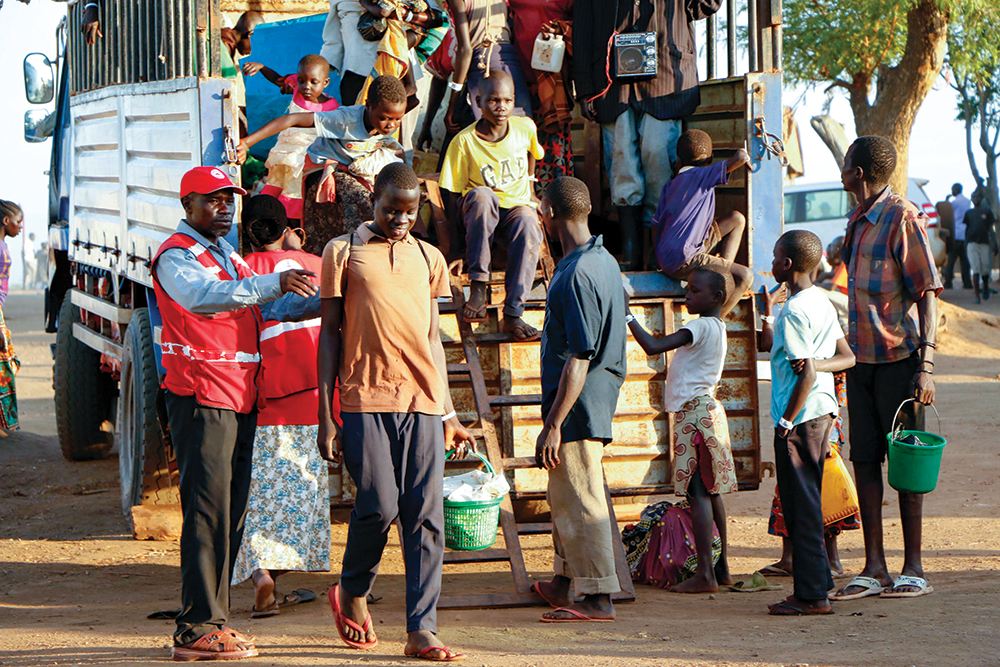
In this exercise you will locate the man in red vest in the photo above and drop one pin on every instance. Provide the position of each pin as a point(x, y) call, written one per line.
point(213, 307)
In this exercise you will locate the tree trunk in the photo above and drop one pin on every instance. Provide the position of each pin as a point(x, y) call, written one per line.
point(902, 89)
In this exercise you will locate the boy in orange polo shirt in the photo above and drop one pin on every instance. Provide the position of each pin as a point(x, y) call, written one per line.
point(379, 336)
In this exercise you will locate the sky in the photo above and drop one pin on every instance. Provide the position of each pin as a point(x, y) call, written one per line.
point(937, 143)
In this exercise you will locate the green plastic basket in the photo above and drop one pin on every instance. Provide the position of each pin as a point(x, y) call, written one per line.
point(472, 525)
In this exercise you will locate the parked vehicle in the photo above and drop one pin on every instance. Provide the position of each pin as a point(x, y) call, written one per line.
point(822, 208)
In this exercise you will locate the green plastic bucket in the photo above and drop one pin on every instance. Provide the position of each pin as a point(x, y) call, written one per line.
point(914, 468)
point(472, 525)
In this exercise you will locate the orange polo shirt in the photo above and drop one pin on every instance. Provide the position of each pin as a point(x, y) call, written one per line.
point(388, 287)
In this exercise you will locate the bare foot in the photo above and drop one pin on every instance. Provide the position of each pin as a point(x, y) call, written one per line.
point(355, 609)
point(591, 606)
point(421, 640)
point(522, 330)
point(697, 584)
point(264, 585)
point(475, 307)
point(556, 592)
point(722, 576)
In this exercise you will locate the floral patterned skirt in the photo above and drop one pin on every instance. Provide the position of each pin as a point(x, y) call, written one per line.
point(288, 517)
point(702, 447)
point(9, 366)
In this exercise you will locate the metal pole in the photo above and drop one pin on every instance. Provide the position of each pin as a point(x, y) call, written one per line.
point(201, 23)
point(731, 36)
point(711, 41)
point(753, 30)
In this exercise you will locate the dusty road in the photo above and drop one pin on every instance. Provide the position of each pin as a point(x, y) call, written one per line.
point(75, 588)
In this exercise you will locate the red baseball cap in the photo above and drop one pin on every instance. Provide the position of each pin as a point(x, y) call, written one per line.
point(206, 180)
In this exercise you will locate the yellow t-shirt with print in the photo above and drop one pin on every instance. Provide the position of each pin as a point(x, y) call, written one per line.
point(471, 162)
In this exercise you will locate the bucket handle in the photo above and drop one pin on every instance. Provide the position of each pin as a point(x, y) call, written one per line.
point(894, 430)
point(472, 450)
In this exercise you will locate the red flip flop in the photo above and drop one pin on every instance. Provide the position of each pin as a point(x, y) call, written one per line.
point(341, 620)
point(449, 656)
point(579, 617)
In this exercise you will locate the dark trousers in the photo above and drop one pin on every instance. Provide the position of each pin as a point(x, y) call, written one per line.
point(956, 250)
point(799, 462)
point(397, 462)
point(522, 231)
point(351, 84)
point(875, 392)
point(214, 449)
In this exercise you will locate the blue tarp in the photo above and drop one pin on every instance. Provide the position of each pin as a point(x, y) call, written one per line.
point(280, 45)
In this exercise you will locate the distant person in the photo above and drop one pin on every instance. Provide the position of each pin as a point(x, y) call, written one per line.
point(42, 262)
point(807, 345)
point(13, 219)
point(893, 286)
point(704, 469)
point(29, 262)
point(583, 367)
point(686, 233)
point(960, 205)
point(980, 244)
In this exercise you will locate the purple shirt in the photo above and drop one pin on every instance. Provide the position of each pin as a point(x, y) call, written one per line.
point(685, 214)
point(5, 262)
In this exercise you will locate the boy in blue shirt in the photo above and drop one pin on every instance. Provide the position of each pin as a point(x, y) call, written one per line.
point(807, 346)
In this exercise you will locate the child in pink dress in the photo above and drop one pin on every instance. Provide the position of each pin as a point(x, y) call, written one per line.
point(286, 160)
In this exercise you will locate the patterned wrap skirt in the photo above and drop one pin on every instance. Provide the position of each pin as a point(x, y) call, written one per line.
point(9, 366)
point(288, 517)
point(702, 447)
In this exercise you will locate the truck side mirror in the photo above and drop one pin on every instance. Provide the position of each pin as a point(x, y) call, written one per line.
point(38, 81)
point(38, 125)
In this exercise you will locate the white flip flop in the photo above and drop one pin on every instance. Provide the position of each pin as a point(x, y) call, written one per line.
point(905, 580)
point(871, 587)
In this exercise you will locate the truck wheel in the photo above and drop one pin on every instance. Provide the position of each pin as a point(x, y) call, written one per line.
point(84, 395)
point(143, 451)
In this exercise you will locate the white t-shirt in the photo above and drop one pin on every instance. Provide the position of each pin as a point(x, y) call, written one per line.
point(696, 367)
point(806, 328)
point(960, 205)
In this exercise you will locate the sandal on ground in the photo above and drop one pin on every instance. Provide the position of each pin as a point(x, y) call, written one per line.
point(246, 639)
point(298, 596)
point(786, 608)
point(754, 583)
point(341, 621)
point(537, 590)
point(774, 571)
point(578, 617)
point(218, 645)
point(919, 583)
point(868, 585)
point(449, 655)
point(266, 612)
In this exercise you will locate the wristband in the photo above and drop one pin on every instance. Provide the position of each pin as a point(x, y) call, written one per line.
point(629, 318)
point(449, 416)
point(767, 319)
point(921, 370)
point(457, 87)
point(89, 5)
point(785, 424)
point(928, 344)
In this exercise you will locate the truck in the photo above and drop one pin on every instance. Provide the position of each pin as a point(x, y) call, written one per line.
point(140, 107)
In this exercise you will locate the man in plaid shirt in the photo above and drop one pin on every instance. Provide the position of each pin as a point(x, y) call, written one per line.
point(892, 290)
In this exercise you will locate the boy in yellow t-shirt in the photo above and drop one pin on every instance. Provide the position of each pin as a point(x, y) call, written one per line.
point(487, 178)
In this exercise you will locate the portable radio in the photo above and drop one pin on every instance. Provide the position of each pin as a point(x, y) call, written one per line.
point(635, 55)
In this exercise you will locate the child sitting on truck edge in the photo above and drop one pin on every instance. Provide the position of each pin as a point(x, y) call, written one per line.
point(354, 143)
point(487, 173)
point(807, 345)
point(286, 161)
point(685, 230)
point(704, 467)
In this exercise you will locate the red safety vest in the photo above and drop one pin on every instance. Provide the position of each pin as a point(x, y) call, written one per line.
point(215, 358)
point(288, 348)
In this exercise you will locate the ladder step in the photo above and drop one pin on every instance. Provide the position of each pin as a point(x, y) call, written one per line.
point(516, 399)
point(459, 369)
point(499, 338)
point(481, 556)
point(518, 462)
point(534, 528)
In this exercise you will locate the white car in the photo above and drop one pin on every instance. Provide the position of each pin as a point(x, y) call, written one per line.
point(822, 209)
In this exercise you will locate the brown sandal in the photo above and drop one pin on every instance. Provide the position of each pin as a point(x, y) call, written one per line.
point(218, 645)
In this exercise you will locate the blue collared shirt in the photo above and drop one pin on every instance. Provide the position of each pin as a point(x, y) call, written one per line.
point(195, 288)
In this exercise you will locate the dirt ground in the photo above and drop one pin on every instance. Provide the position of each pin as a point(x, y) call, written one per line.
point(76, 588)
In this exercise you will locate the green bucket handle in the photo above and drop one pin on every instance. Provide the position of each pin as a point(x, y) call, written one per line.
point(894, 430)
point(486, 461)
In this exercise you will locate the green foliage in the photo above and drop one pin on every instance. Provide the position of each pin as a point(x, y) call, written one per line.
point(842, 40)
point(974, 60)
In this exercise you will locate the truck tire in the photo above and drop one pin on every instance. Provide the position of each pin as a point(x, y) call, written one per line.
point(84, 395)
point(144, 454)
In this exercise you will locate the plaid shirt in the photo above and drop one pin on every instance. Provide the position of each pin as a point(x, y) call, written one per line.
point(890, 267)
